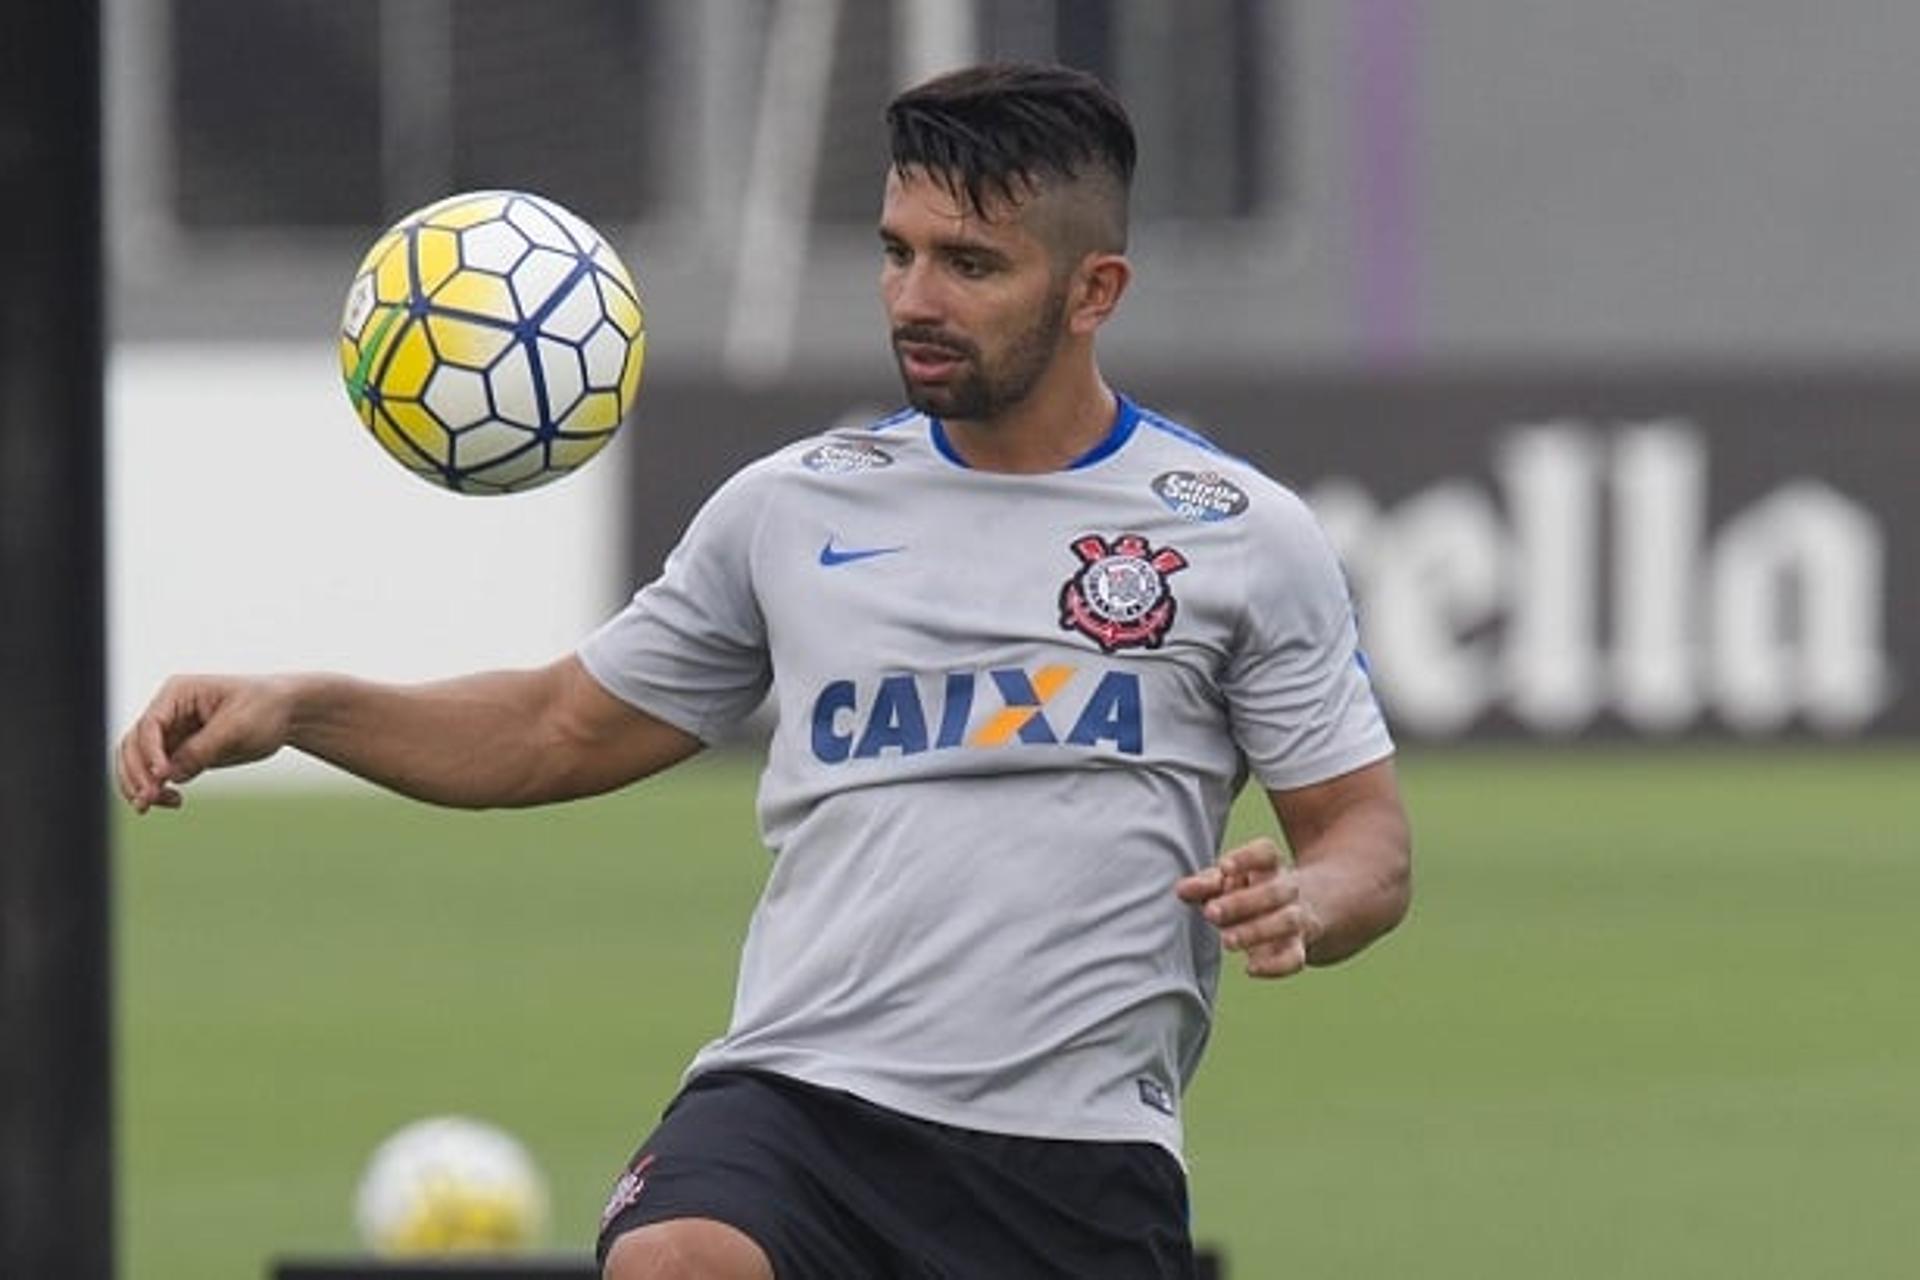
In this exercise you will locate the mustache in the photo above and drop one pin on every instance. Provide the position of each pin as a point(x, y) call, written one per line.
point(926, 335)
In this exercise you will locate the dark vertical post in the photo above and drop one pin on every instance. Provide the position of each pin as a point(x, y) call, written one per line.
point(56, 1168)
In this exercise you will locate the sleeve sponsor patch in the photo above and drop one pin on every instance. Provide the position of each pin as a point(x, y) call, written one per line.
point(839, 457)
point(1200, 496)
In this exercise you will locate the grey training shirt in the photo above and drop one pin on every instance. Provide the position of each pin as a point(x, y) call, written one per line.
point(1012, 711)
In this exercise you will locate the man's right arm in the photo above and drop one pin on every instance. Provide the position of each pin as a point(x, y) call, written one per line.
point(495, 739)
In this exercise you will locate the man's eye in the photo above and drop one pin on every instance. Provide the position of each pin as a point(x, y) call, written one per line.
point(970, 267)
point(896, 254)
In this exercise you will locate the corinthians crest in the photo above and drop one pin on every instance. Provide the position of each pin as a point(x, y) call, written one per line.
point(1119, 598)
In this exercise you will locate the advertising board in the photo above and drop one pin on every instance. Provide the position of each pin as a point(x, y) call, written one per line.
point(1647, 555)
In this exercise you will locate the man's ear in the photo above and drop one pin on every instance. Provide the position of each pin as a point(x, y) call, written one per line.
point(1098, 283)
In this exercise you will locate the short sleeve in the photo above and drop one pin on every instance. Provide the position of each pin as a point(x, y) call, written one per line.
point(1299, 696)
point(691, 646)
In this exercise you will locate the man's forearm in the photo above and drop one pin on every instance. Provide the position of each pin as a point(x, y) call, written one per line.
point(479, 741)
point(1356, 881)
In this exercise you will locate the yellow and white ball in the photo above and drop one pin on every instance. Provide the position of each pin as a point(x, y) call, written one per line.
point(450, 1185)
point(492, 342)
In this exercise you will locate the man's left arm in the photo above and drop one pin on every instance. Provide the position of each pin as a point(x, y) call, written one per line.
point(1349, 881)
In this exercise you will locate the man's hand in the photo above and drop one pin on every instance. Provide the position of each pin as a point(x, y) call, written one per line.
point(1252, 895)
point(197, 723)
point(1349, 881)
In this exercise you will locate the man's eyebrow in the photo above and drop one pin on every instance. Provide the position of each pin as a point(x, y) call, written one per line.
point(953, 244)
point(978, 248)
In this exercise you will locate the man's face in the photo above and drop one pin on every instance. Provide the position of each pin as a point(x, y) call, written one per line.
point(975, 304)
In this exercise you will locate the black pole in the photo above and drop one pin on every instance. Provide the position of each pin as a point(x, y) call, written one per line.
point(56, 1166)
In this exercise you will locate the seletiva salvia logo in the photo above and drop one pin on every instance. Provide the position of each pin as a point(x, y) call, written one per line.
point(1200, 496)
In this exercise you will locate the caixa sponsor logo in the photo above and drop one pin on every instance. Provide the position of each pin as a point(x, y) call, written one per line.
point(1004, 706)
point(1589, 581)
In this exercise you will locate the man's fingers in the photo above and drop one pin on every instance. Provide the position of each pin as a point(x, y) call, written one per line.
point(1255, 900)
point(150, 743)
point(1252, 859)
point(171, 716)
point(124, 773)
point(131, 789)
point(1200, 886)
point(1281, 961)
point(1265, 933)
point(1237, 868)
point(139, 782)
point(161, 750)
point(187, 760)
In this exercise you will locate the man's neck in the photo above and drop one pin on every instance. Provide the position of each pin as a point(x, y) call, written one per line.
point(1060, 421)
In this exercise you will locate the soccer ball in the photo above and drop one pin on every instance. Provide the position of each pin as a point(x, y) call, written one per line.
point(492, 342)
point(450, 1185)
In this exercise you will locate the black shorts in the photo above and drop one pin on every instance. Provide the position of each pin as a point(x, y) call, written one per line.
point(835, 1188)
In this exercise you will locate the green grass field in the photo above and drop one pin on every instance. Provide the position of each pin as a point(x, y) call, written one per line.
point(1654, 1015)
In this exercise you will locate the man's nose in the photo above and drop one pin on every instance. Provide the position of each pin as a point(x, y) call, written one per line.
point(914, 295)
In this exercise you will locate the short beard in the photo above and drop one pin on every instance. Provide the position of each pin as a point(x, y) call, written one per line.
point(980, 394)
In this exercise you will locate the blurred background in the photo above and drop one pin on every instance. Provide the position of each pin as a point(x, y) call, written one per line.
point(1585, 327)
point(1589, 330)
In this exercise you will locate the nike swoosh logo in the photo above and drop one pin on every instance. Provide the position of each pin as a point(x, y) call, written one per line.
point(831, 555)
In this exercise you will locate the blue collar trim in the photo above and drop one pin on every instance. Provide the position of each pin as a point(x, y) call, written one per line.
point(1125, 418)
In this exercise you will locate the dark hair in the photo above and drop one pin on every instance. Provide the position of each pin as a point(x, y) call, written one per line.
point(1004, 128)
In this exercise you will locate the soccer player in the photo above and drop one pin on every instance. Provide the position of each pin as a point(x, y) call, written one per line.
point(1026, 640)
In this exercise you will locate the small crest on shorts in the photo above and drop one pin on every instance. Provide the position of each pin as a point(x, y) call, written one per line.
point(626, 1191)
point(1119, 597)
point(1155, 1095)
point(1200, 496)
point(839, 457)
